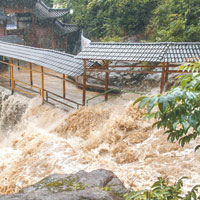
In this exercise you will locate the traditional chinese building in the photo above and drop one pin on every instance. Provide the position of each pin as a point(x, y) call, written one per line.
point(37, 25)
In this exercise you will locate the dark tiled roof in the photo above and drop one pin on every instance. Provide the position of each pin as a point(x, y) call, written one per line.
point(148, 52)
point(55, 60)
point(44, 12)
point(65, 28)
point(12, 39)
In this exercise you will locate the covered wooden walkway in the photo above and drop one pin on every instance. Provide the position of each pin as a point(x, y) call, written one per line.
point(62, 63)
point(162, 55)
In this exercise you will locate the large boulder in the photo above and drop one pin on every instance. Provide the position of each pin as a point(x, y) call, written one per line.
point(96, 185)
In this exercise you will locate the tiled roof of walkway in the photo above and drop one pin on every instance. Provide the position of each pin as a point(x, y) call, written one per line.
point(55, 60)
point(147, 52)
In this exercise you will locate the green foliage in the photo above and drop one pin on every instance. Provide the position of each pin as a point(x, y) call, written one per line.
point(111, 39)
point(107, 188)
point(49, 2)
point(78, 186)
point(110, 18)
point(175, 21)
point(161, 20)
point(179, 109)
point(161, 190)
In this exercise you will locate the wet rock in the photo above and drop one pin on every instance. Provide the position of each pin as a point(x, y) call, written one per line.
point(96, 185)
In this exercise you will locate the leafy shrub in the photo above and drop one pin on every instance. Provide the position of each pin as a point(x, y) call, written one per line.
point(179, 109)
point(178, 112)
point(161, 190)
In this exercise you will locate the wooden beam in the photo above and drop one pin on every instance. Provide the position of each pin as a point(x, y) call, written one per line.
point(42, 83)
point(64, 88)
point(84, 82)
point(106, 79)
point(15, 10)
point(31, 74)
point(132, 66)
point(162, 83)
point(11, 75)
point(118, 71)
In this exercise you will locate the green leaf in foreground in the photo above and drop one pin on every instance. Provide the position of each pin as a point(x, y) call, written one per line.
point(178, 111)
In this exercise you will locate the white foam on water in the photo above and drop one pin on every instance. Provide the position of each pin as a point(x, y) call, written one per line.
point(48, 141)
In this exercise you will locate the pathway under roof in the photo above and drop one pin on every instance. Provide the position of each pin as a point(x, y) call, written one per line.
point(164, 53)
point(63, 63)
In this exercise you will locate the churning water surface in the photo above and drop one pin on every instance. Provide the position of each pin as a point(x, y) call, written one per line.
point(48, 140)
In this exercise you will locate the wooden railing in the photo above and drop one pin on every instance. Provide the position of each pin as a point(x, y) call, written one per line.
point(74, 104)
point(34, 90)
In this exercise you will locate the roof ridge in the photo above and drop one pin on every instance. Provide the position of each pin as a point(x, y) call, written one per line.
point(58, 61)
point(50, 9)
point(66, 28)
point(36, 48)
point(142, 43)
point(150, 52)
point(65, 24)
point(43, 11)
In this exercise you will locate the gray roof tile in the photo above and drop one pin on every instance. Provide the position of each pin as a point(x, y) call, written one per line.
point(44, 12)
point(151, 52)
point(64, 28)
point(55, 60)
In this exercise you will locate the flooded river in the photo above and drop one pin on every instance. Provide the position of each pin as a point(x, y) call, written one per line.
point(110, 135)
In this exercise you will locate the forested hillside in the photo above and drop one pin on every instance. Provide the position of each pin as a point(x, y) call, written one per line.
point(154, 20)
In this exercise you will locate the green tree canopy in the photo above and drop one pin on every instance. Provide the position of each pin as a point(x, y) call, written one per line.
point(175, 21)
point(102, 18)
point(159, 20)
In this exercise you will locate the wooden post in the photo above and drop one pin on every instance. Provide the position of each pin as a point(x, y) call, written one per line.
point(47, 97)
point(40, 43)
point(84, 81)
point(31, 74)
point(42, 83)
point(106, 80)
point(11, 75)
point(162, 84)
point(18, 65)
point(166, 74)
point(52, 38)
point(64, 86)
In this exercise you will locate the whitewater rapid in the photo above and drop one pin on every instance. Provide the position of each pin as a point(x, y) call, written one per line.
point(47, 140)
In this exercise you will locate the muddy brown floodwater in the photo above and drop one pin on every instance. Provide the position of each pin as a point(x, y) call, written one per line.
point(110, 135)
